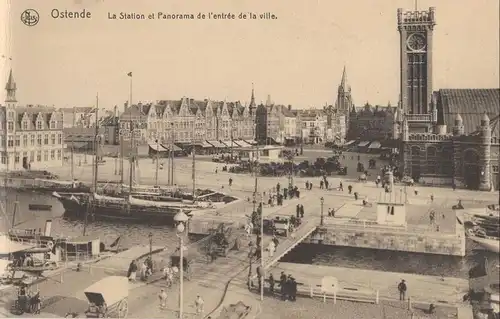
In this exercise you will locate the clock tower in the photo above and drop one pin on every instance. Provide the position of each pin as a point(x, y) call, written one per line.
point(415, 29)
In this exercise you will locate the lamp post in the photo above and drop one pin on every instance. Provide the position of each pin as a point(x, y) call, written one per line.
point(322, 216)
point(181, 220)
point(150, 245)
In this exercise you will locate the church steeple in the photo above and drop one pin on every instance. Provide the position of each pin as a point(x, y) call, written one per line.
point(252, 99)
point(343, 81)
point(11, 88)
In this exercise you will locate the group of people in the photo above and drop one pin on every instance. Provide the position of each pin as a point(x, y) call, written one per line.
point(287, 284)
point(27, 301)
point(25, 260)
point(145, 271)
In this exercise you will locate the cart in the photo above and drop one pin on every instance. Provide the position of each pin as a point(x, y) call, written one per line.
point(108, 298)
point(175, 261)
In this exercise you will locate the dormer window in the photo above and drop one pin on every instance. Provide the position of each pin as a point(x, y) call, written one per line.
point(25, 125)
point(38, 125)
point(52, 125)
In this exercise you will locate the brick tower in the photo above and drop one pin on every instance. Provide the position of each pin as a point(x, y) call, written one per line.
point(415, 29)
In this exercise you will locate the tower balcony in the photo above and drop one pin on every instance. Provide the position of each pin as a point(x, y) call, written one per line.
point(419, 118)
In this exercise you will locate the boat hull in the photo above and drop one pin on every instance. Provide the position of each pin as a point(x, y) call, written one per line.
point(119, 212)
point(492, 245)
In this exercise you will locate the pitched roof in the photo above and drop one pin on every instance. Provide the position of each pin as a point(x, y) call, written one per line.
point(471, 104)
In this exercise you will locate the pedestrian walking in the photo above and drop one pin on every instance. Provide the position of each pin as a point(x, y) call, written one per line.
point(199, 304)
point(301, 211)
point(402, 290)
point(271, 284)
point(349, 188)
point(271, 248)
point(283, 285)
point(297, 211)
point(163, 299)
point(432, 198)
point(341, 186)
point(132, 271)
point(320, 184)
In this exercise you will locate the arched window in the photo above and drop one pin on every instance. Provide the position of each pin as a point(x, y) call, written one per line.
point(415, 151)
point(431, 151)
point(471, 156)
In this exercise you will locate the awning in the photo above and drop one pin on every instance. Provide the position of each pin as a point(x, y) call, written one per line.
point(238, 143)
point(167, 147)
point(363, 143)
point(217, 144)
point(243, 143)
point(251, 142)
point(157, 147)
point(207, 145)
point(350, 143)
point(227, 143)
point(375, 144)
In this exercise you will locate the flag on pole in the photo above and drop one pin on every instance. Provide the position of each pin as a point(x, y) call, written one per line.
point(129, 74)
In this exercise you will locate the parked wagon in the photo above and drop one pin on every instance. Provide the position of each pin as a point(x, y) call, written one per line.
point(187, 261)
point(108, 298)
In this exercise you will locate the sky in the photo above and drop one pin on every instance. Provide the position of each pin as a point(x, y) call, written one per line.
point(297, 58)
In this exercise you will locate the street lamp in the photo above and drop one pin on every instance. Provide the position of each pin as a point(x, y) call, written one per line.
point(322, 216)
point(181, 220)
point(150, 245)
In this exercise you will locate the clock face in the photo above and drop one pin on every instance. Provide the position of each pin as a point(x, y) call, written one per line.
point(416, 42)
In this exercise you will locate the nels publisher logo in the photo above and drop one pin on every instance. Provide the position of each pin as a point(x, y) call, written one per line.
point(30, 17)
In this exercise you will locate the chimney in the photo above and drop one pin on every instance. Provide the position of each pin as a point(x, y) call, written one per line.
point(289, 107)
point(48, 227)
point(116, 111)
point(125, 106)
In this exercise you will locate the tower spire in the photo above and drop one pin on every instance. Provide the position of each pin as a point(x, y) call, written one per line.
point(252, 98)
point(343, 81)
point(11, 88)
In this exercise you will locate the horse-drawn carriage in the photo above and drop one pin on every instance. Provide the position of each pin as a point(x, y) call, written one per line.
point(187, 261)
point(360, 167)
point(222, 240)
point(26, 302)
point(108, 298)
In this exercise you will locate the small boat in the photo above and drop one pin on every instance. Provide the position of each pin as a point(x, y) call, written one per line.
point(43, 207)
point(483, 239)
point(487, 243)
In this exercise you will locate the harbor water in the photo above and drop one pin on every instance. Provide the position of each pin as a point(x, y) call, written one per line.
point(424, 264)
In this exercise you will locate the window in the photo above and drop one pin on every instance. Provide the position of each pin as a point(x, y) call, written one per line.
point(16, 158)
point(415, 151)
point(46, 139)
point(52, 125)
point(495, 168)
point(431, 167)
point(25, 140)
point(38, 156)
point(59, 139)
point(18, 141)
point(53, 138)
point(10, 141)
point(431, 151)
point(38, 125)
point(10, 126)
point(32, 138)
point(25, 125)
point(4, 159)
point(32, 156)
point(52, 155)
point(39, 139)
point(58, 154)
point(45, 156)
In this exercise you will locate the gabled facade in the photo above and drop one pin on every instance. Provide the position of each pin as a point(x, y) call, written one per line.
point(31, 136)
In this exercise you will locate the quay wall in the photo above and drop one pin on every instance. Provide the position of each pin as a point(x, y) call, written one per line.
point(450, 244)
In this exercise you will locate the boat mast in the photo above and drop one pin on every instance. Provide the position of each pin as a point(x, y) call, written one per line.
point(132, 142)
point(96, 143)
point(193, 173)
point(157, 162)
point(72, 148)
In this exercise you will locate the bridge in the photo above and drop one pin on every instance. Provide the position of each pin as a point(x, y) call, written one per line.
point(289, 243)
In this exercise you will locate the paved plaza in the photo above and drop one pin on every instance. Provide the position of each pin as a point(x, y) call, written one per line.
point(211, 280)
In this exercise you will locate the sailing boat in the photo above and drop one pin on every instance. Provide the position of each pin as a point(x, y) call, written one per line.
point(124, 208)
